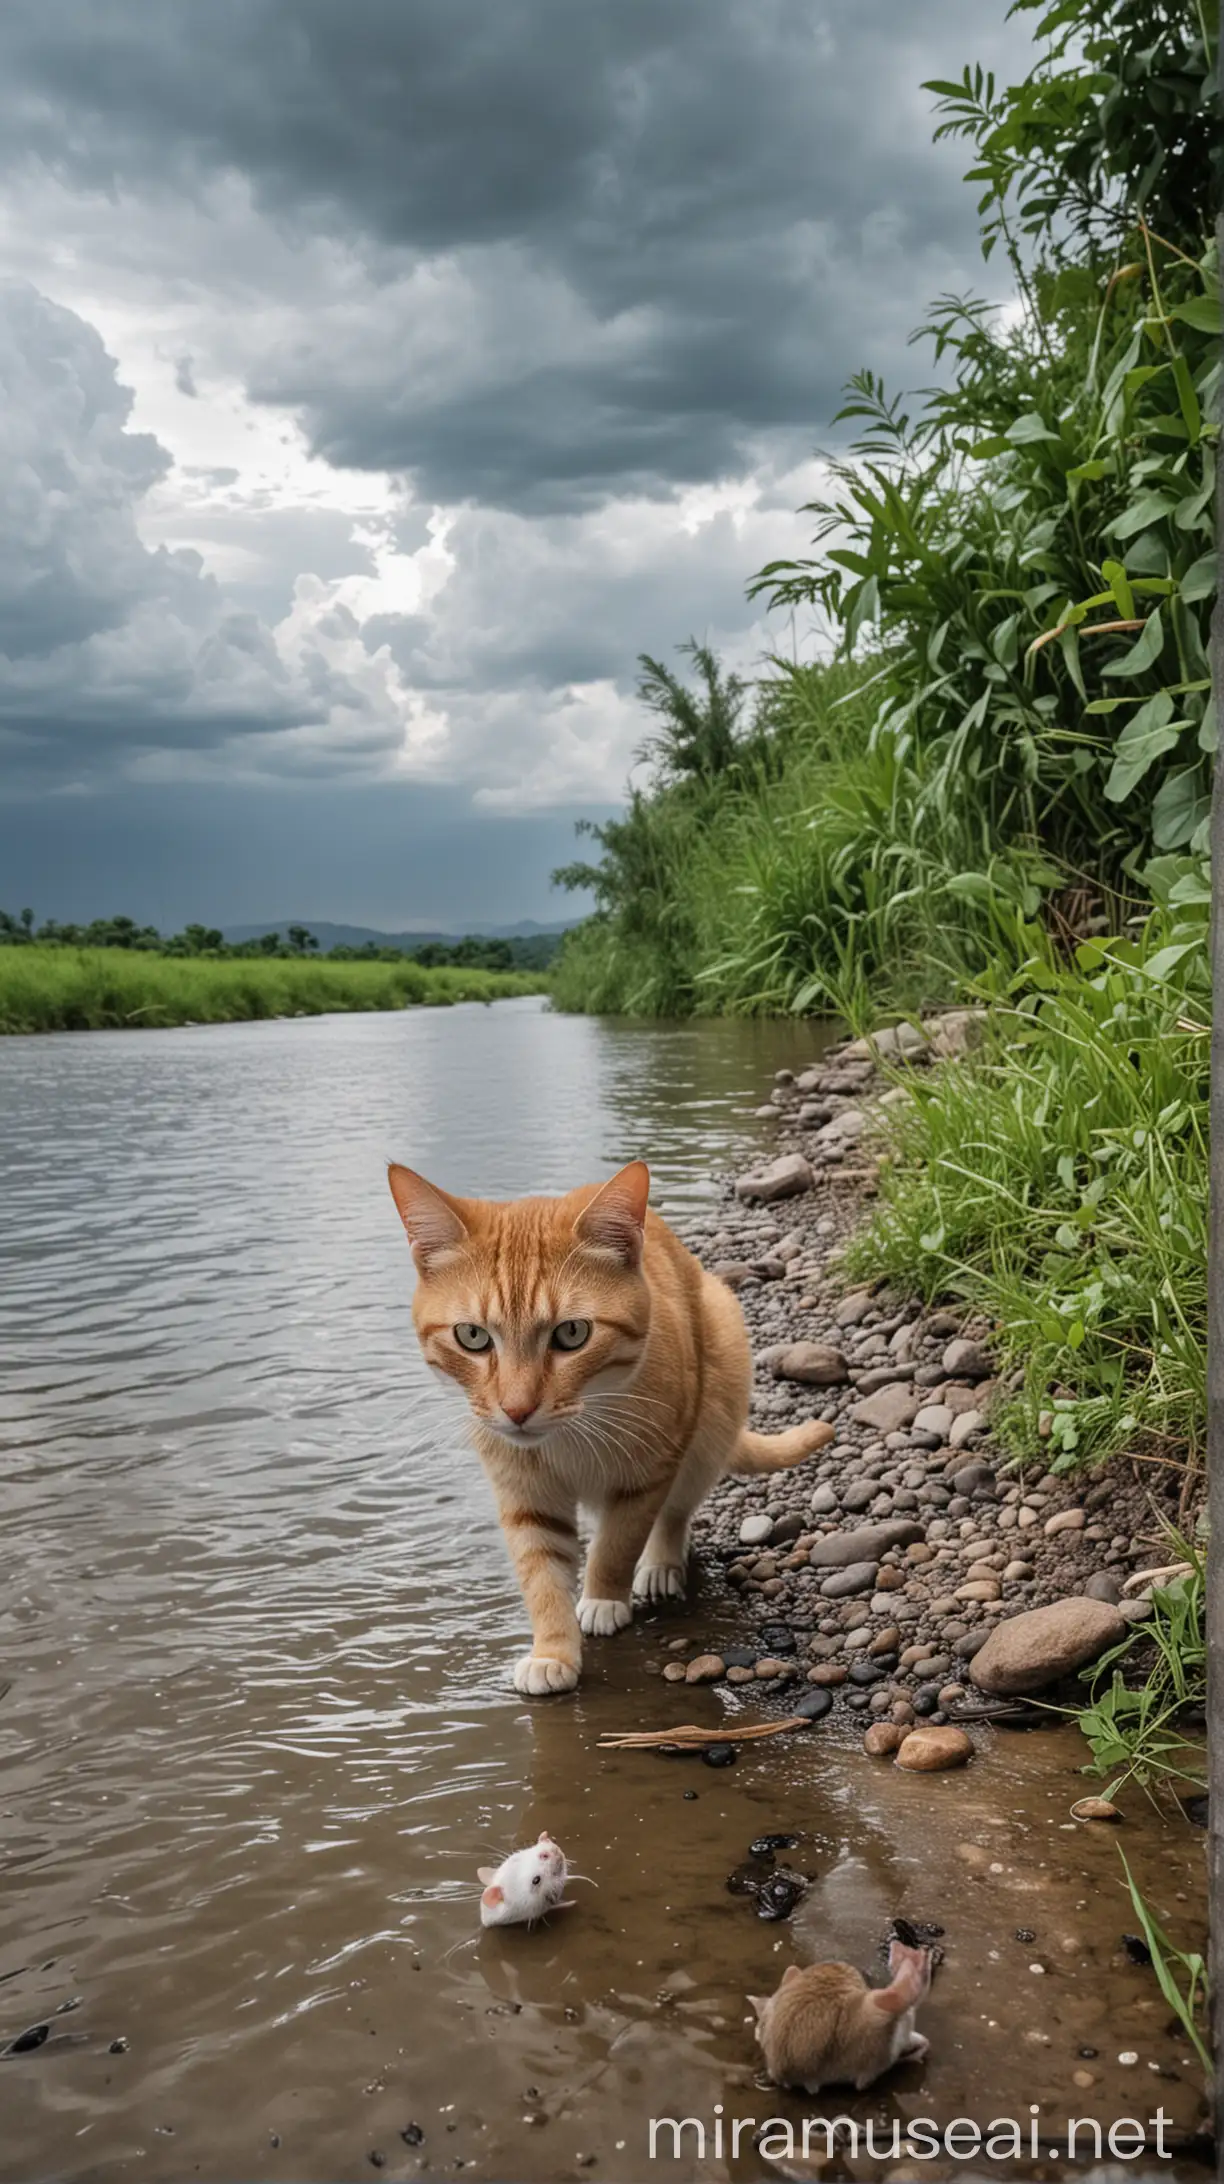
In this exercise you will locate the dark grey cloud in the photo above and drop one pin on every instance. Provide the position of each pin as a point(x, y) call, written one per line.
point(223, 855)
point(559, 295)
point(667, 231)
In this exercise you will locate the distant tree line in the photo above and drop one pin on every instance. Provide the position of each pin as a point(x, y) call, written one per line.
point(473, 952)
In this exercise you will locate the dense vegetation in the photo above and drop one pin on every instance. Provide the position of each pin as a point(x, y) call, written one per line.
point(97, 989)
point(995, 783)
point(475, 951)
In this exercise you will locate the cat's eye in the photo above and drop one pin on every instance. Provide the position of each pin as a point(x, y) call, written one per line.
point(570, 1334)
point(470, 1337)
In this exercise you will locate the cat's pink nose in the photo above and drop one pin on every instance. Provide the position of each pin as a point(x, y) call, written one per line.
point(518, 1413)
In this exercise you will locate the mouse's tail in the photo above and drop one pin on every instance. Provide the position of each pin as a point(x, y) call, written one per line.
point(755, 1453)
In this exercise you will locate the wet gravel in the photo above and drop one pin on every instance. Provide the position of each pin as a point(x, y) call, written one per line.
point(874, 1572)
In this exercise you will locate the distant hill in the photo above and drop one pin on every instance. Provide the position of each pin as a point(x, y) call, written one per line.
point(356, 936)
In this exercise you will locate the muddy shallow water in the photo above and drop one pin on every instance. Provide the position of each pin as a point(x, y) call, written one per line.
point(256, 1620)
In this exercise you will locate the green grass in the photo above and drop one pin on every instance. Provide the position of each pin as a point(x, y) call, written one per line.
point(108, 989)
point(1057, 1180)
point(825, 871)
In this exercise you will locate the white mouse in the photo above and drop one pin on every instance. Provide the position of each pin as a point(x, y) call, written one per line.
point(525, 1885)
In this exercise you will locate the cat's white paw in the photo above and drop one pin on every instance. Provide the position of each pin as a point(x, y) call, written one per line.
point(659, 1581)
point(603, 1618)
point(535, 1676)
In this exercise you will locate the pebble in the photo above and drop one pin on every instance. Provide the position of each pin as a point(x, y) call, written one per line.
point(963, 1360)
point(1065, 1520)
point(883, 1738)
point(930, 1751)
point(707, 1668)
point(935, 1419)
point(754, 1531)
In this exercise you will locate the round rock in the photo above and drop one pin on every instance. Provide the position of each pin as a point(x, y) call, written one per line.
point(1029, 1651)
point(931, 1750)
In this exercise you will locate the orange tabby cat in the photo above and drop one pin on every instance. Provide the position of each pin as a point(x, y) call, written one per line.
point(605, 1369)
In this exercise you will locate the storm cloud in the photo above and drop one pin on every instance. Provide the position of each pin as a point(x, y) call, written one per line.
point(473, 348)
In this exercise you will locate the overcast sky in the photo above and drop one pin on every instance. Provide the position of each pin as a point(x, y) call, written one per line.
point(379, 377)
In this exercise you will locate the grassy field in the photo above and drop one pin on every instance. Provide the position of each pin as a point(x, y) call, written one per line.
point(118, 989)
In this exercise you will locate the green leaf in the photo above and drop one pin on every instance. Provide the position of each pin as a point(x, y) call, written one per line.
point(1115, 576)
point(1200, 579)
point(1179, 807)
point(1145, 651)
point(866, 608)
point(1147, 737)
point(1146, 511)
point(1029, 428)
point(1201, 312)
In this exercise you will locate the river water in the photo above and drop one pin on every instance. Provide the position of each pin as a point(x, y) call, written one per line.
point(256, 1624)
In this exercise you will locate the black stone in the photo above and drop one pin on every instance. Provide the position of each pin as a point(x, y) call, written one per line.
point(776, 1638)
point(916, 1934)
point(740, 1656)
point(765, 1846)
point(865, 1672)
point(27, 2041)
point(778, 1895)
point(859, 1700)
point(925, 1699)
point(745, 1880)
point(814, 1704)
point(413, 2135)
point(1089, 2055)
point(1025, 1933)
point(720, 1755)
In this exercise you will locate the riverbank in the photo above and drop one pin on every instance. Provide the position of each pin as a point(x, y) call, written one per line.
point(117, 989)
point(875, 1577)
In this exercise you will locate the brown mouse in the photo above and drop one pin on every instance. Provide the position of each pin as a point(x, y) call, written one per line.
point(826, 2026)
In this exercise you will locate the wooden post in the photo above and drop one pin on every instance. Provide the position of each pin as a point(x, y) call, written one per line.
point(1215, 1367)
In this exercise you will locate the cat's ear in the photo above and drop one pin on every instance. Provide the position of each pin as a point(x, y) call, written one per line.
point(615, 1219)
point(430, 1217)
point(760, 2003)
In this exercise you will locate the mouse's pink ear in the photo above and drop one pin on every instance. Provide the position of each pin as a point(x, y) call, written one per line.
point(493, 1896)
point(485, 1872)
point(543, 1836)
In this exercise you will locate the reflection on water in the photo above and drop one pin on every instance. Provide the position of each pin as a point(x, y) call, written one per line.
point(257, 1621)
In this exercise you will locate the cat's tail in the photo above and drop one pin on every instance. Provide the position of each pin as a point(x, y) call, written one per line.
point(758, 1452)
